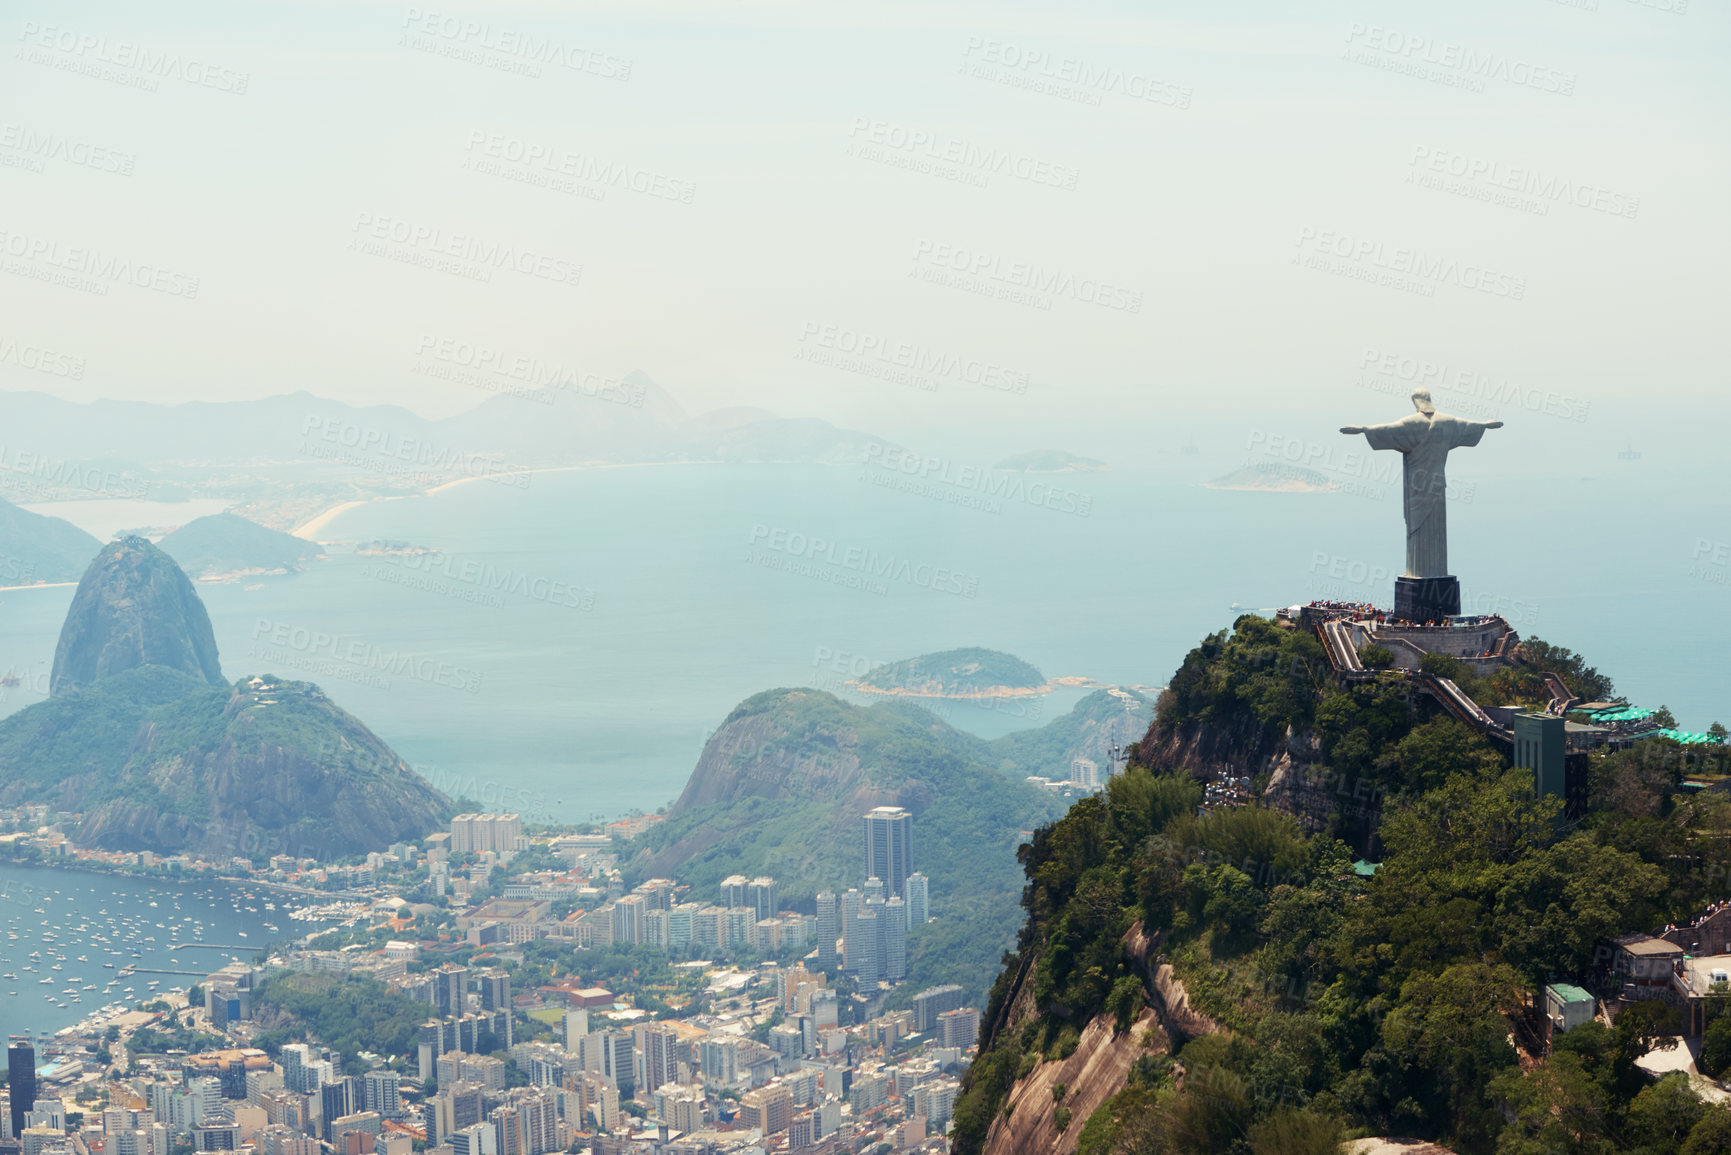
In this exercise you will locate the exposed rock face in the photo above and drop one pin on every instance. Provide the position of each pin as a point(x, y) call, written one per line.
point(1097, 1070)
point(277, 768)
point(1100, 1066)
point(1291, 760)
point(133, 607)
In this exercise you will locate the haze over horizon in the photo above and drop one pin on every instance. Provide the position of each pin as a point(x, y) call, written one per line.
point(1168, 197)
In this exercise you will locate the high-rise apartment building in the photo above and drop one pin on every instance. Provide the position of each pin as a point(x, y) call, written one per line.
point(895, 938)
point(479, 833)
point(495, 987)
point(760, 893)
point(919, 900)
point(862, 947)
point(828, 930)
point(889, 847)
point(20, 1078)
point(733, 890)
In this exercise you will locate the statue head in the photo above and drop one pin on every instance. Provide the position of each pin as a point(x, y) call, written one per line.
point(1422, 402)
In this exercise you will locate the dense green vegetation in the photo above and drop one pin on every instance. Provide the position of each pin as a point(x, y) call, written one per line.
point(956, 673)
point(88, 731)
point(1351, 1005)
point(348, 1014)
point(139, 751)
point(788, 801)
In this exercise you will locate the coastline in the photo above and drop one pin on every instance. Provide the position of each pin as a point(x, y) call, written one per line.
point(861, 687)
point(1068, 682)
point(322, 519)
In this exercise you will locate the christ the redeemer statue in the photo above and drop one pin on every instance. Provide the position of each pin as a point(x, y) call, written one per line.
point(1426, 590)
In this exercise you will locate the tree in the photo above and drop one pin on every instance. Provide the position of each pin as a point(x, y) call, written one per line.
point(1716, 1046)
point(1450, 1033)
point(1558, 1107)
point(1295, 1132)
point(1375, 657)
point(1710, 1136)
point(1663, 1115)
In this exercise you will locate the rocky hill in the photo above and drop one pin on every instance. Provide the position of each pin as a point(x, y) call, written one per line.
point(225, 543)
point(143, 737)
point(271, 767)
point(34, 548)
point(1208, 972)
point(782, 786)
point(133, 607)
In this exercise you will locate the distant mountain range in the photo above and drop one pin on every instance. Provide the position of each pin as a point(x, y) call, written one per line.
point(630, 420)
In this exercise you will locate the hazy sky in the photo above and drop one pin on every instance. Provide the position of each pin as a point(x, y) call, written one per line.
point(1086, 216)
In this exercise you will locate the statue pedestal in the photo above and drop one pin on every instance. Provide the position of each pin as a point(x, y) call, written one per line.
point(1426, 599)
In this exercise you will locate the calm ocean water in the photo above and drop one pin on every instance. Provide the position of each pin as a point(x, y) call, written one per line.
point(80, 930)
point(580, 636)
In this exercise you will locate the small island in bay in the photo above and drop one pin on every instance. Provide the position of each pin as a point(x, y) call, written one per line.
point(1275, 477)
point(965, 673)
point(1049, 461)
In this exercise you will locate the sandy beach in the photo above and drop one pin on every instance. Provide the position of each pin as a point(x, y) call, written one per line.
point(312, 527)
point(318, 523)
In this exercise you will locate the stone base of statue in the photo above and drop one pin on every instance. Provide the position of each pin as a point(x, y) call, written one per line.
point(1426, 599)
